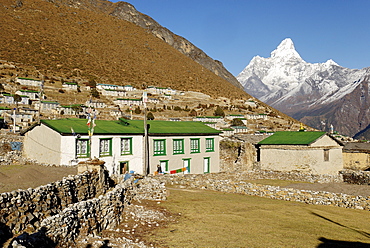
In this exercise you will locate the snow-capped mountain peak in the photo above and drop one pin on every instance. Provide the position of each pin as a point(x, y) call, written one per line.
point(286, 50)
point(288, 83)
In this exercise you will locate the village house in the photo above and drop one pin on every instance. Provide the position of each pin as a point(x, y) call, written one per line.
point(46, 105)
point(70, 85)
point(311, 152)
point(28, 81)
point(31, 94)
point(95, 104)
point(356, 156)
point(257, 117)
point(175, 147)
point(9, 99)
point(219, 119)
point(239, 129)
point(110, 92)
point(128, 101)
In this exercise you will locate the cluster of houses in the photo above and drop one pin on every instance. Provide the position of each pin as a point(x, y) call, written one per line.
point(177, 147)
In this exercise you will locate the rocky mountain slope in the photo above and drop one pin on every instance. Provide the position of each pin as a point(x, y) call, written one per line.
point(320, 94)
point(78, 38)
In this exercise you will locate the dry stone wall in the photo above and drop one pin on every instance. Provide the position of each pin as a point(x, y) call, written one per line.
point(233, 183)
point(90, 217)
point(356, 177)
point(25, 209)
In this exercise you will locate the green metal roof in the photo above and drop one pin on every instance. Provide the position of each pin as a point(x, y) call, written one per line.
point(292, 138)
point(80, 126)
point(174, 127)
point(123, 126)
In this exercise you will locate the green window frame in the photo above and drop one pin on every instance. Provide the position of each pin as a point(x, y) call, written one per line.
point(178, 146)
point(159, 147)
point(126, 146)
point(210, 144)
point(194, 145)
point(82, 148)
point(105, 147)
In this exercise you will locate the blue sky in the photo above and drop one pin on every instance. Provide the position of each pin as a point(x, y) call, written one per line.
point(234, 31)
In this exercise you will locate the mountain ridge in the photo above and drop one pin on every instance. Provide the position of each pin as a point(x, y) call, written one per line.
point(304, 90)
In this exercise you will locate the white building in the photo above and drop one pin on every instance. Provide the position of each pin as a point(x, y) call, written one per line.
point(28, 81)
point(177, 147)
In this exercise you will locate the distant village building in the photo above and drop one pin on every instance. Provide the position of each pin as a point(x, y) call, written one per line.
point(9, 99)
point(95, 104)
point(46, 105)
point(257, 117)
point(31, 94)
point(110, 92)
point(209, 119)
point(311, 152)
point(129, 101)
point(356, 156)
point(239, 129)
point(28, 81)
point(251, 103)
point(70, 85)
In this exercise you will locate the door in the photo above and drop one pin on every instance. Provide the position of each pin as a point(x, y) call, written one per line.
point(206, 165)
point(186, 165)
point(123, 167)
point(164, 166)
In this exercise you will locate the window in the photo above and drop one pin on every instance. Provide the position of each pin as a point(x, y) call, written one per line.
point(105, 148)
point(159, 147)
point(210, 142)
point(126, 146)
point(194, 146)
point(82, 148)
point(326, 154)
point(206, 165)
point(178, 146)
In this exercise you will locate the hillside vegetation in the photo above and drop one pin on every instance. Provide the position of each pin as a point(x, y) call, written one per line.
point(68, 41)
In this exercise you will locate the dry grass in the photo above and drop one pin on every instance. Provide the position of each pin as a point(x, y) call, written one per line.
point(13, 177)
point(215, 219)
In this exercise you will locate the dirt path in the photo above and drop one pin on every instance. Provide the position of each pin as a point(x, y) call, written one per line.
point(349, 189)
point(13, 177)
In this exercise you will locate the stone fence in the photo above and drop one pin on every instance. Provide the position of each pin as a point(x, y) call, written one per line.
point(235, 183)
point(25, 209)
point(356, 177)
point(90, 217)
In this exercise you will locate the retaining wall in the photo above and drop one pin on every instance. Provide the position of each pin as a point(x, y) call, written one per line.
point(356, 177)
point(25, 209)
point(91, 216)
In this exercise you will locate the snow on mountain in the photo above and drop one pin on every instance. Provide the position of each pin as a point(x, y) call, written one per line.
point(310, 91)
point(285, 77)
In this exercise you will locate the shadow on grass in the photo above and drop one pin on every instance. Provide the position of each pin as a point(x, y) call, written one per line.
point(330, 243)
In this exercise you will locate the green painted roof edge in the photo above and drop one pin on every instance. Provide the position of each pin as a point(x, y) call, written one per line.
point(292, 138)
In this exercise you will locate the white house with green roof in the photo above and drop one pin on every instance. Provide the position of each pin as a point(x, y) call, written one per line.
point(178, 147)
point(32, 94)
point(311, 152)
point(28, 81)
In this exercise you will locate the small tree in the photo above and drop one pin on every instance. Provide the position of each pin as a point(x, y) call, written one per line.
point(137, 110)
point(193, 113)
point(150, 116)
point(95, 93)
point(237, 122)
point(219, 112)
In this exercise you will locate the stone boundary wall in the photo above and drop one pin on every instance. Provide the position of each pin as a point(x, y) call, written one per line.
point(25, 209)
point(356, 177)
point(92, 216)
point(227, 183)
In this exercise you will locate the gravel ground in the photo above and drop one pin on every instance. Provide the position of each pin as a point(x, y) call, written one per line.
point(345, 188)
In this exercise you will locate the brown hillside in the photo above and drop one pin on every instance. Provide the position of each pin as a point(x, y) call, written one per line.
point(58, 40)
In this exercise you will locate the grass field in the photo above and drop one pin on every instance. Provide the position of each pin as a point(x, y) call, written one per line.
point(216, 219)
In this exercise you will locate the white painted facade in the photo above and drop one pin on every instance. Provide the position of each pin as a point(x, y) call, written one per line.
point(48, 146)
point(178, 161)
point(29, 82)
point(324, 156)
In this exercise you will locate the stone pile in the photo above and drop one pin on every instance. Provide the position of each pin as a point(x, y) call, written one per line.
point(356, 177)
point(233, 183)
